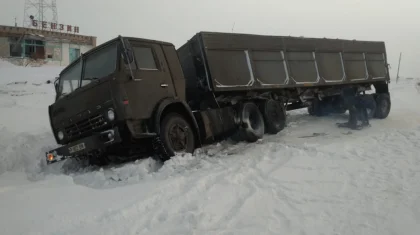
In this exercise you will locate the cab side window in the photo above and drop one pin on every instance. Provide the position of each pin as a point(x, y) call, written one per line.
point(145, 58)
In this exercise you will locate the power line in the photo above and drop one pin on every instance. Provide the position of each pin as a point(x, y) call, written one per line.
point(40, 11)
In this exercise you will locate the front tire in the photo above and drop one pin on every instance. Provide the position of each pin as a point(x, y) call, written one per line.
point(316, 108)
point(176, 135)
point(99, 160)
point(338, 106)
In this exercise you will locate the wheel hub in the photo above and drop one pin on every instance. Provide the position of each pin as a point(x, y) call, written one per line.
point(178, 137)
point(273, 112)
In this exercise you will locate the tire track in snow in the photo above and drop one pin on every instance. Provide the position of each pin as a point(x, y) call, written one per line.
point(243, 170)
point(247, 171)
point(255, 181)
point(173, 194)
point(190, 190)
point(370, 184)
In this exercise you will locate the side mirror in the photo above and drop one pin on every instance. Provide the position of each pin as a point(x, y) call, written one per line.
point(128, 56)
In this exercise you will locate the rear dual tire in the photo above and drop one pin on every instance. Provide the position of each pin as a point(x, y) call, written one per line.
point(269, 117)
point(314, 109)
point(383, 105)
point(378, 106)
point(274, 116)
point(251, 124)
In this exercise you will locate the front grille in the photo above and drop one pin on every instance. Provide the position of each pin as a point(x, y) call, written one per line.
point(85, 126)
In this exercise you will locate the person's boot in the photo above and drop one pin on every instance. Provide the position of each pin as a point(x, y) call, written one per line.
point(343, 124)
point(355, 126)
point(352, 122)
point(356, 119)
point(366, 123)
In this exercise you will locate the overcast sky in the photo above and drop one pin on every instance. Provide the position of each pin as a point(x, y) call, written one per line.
point(395, 22)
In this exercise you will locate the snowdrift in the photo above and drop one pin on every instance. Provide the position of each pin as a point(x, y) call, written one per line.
point(340, 182)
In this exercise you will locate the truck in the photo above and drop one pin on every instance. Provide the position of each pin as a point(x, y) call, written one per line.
point(131, 97)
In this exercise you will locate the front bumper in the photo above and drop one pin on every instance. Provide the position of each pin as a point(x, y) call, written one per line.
point(97, 141)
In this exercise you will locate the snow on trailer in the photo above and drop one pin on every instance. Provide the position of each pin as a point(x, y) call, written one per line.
point(244, 61)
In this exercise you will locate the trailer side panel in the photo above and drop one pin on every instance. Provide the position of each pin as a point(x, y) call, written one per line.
point(235, 62)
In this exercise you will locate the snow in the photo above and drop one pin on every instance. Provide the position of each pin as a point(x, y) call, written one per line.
point(364, 182)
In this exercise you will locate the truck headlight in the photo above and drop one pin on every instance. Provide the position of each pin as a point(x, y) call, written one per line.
point(60, 135)
point(111, 115)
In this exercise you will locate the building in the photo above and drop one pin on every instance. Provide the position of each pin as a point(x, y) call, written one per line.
point(30, 45)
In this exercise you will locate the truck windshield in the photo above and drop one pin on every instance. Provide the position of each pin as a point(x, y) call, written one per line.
point(69, 80)
point(97, 64)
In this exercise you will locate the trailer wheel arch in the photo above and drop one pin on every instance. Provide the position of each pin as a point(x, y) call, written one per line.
point(167, 106)
point(381, 87)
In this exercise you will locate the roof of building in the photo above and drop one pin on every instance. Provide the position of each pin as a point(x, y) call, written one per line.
point(13, 31)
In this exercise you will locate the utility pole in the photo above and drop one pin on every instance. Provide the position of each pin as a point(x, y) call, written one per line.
point(398, 71)
point(40, 10)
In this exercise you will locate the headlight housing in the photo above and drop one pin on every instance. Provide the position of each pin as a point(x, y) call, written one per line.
point(110, 115)
point(60, 135)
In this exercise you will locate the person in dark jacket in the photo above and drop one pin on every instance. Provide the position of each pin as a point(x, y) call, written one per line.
point(367, 102)
point(362, 105)
point(356, 107)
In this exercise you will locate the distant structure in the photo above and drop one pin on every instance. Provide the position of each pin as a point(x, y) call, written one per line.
point(41, 11)
point(42, 38)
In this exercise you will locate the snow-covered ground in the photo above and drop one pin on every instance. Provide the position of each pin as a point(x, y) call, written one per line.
point(364, 182)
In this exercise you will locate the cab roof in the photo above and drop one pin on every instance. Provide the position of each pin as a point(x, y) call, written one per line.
point(112, 41)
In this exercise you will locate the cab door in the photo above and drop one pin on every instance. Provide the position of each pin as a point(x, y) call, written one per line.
point(151, 80)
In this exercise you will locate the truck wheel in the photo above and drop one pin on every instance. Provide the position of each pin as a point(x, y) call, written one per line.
point(99, 160)
point(176, 135)
point(338, 106)
point(253, 122)
point(383, 105)
point(311, 110)
point(340, 110)
point(315, 109)
point(274, 116)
